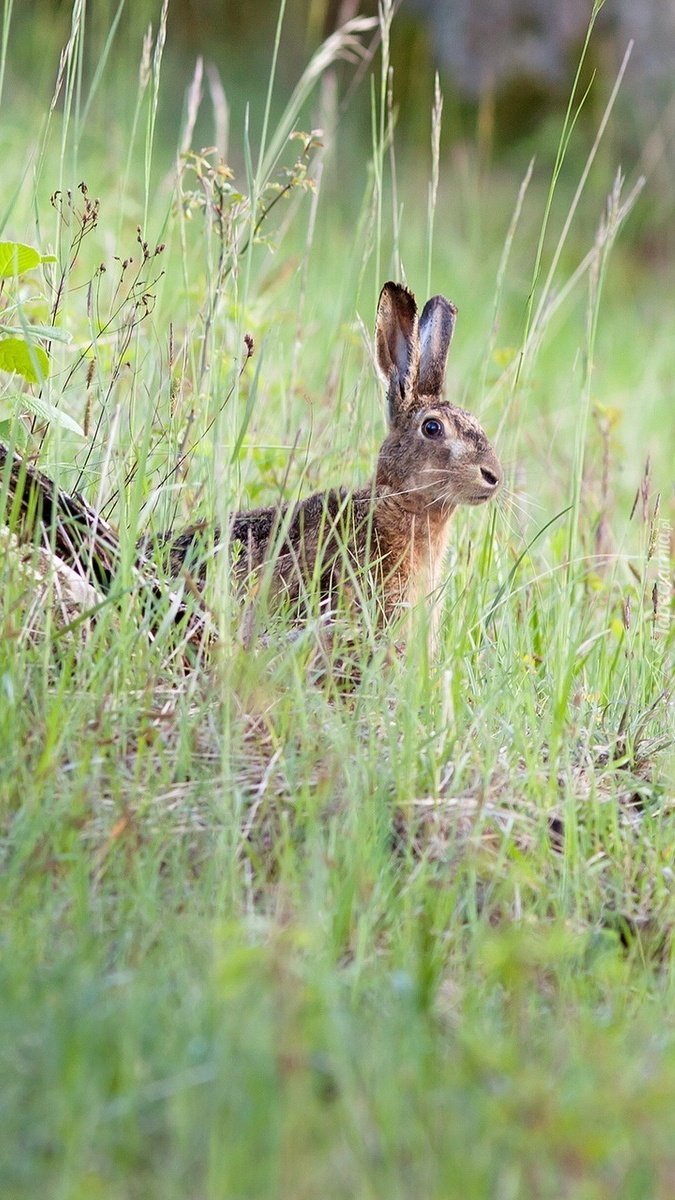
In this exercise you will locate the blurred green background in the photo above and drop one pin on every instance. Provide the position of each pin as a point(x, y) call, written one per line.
point(506, 70)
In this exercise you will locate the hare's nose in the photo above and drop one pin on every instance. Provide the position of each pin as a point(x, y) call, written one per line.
point(489, 477)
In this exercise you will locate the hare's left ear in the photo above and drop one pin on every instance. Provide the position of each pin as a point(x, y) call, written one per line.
point(437, 324)
point(397, 345)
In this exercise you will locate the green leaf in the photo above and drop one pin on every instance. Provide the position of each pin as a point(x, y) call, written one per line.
point(15, 258)
point(51, 332)
point(16, 355)
point(17, 404)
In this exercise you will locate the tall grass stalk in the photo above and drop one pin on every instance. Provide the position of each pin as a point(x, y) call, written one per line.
point(432, 194)
point(144, 77)
point(70, 70)
point(574, 107)
point(157, 55)
point(616, 212)
point(381, 124)
point(260, 173)
point(8, 6)
point(499, 284)
point(101, 63)
point(546, 289)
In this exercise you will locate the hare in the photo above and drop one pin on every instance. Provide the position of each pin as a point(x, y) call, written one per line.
point(390, 536)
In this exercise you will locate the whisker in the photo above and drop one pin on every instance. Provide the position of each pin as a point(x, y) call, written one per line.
point(505, 504)
point(409, 491)
point(521, 500)
point(509, 524)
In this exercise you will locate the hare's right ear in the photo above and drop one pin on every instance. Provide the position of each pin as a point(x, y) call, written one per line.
point(437, 325)
point(397, 345)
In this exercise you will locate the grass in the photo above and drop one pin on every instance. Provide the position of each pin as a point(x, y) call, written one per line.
point(259, 936)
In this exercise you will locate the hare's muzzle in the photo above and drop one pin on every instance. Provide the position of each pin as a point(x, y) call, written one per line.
point(491, 478)
point(488, 481)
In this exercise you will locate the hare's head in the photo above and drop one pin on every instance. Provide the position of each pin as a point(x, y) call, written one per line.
point(435, 456)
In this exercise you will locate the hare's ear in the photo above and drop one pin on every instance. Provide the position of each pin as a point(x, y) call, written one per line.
point(436, 328)
point(397, 345)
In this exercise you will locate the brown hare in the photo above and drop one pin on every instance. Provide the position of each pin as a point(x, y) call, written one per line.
point(390, 536)
point(387, 539)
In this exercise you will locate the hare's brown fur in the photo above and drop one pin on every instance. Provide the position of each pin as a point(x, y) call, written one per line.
point(392, 534)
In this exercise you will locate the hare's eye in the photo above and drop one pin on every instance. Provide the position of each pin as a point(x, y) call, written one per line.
point(432, 428)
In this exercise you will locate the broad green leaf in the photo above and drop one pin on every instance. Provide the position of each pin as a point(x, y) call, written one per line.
point(30, 361)
point(23, 402)
point(15, 258)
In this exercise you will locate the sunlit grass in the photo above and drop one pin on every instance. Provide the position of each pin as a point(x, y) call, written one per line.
point(263, 934)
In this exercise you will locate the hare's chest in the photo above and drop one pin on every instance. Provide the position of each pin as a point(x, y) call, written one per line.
point(429, 546)
point(412, 548)
point(425, 583)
